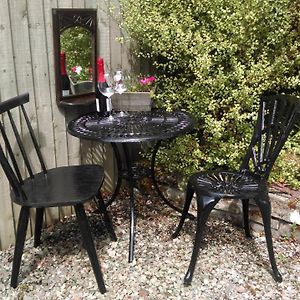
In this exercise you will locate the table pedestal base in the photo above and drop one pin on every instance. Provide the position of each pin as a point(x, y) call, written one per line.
point(129, 173)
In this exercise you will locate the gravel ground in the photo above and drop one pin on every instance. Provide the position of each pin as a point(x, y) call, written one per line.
point(229, 266)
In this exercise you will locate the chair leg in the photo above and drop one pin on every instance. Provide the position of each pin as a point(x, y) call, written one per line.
point(38, 226)
point(20, 240)
point(205, 204)
point(107, 220)
point(89, 245)
point(245, 203)
point(188, 199)
point(265, 208)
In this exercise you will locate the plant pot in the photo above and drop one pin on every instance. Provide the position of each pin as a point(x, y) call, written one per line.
point(132, 101)
point(82, 87)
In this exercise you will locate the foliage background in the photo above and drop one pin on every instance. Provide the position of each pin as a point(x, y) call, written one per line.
point(214, 58)
point(76, 42)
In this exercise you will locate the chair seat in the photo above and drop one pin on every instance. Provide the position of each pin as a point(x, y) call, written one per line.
point(227, 184)
point(62, 186)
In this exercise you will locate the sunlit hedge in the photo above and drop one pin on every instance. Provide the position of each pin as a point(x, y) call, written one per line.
point(214, 58)
point(76, 43)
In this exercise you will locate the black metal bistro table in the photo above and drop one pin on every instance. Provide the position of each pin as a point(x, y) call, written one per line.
point(134, 127)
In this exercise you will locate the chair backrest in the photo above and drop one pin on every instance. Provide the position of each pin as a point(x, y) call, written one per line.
point(12, 149)
point(277, 117)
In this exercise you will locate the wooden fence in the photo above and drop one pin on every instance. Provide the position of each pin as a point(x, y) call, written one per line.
point(27, 65)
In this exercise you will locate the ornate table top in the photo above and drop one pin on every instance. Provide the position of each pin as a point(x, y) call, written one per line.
point(134, 127)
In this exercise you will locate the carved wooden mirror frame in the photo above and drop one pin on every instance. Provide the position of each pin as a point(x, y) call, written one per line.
point(63, 19)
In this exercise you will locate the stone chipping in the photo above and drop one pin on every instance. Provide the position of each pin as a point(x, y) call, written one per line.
point(229, 266)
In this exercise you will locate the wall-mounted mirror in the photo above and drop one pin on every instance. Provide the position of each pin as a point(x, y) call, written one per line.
point(74, 35)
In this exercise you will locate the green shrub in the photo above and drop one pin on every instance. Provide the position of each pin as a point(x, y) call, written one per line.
point(214, 58)
point(76, 42)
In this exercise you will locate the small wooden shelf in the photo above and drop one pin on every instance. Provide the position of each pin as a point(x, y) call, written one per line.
point(84, 100)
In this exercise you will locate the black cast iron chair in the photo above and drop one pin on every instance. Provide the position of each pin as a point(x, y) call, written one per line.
point(61, 186)
point(276, 119)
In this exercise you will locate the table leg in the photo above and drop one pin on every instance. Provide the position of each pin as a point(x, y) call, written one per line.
point(131, 203)
point(164, 199)
point(120, 175)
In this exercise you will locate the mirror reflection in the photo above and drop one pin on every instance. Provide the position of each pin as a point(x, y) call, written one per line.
point(75, 48)
point(76, 61)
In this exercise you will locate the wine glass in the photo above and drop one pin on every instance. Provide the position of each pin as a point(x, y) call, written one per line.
point(107, 89)
point(120, 87)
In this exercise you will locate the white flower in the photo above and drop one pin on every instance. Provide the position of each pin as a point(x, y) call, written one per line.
point(78, 69)
point(295, 217)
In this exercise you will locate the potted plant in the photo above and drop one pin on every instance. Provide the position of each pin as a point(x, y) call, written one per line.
point(138, 94)
point(81, 80)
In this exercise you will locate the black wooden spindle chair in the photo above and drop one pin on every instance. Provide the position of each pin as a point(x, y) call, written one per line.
point(61, 186)
point(277, 117)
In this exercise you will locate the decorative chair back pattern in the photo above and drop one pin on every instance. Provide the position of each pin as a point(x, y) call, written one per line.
point(277, 117)
point(13, 139)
